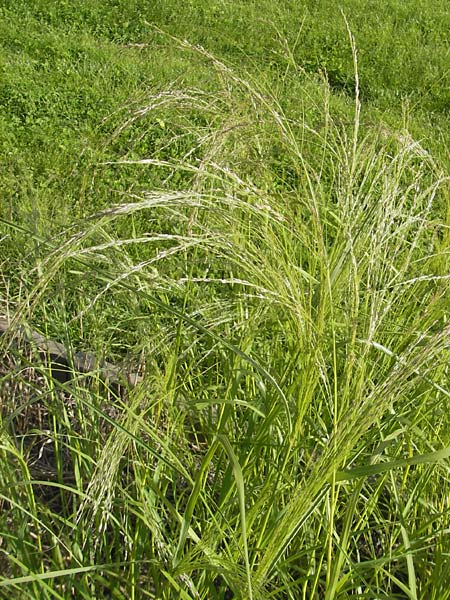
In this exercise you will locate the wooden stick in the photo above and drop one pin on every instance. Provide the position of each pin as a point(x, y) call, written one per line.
point(63, 363)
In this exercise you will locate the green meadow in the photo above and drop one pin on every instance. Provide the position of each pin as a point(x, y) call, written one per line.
point(245, 204)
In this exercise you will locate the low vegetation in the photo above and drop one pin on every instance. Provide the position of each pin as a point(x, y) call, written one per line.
point(248, 206)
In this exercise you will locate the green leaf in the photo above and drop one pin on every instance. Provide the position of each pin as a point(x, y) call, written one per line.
point(368, 470)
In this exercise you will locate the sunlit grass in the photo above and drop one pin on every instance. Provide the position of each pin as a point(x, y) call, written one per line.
point(285, 295)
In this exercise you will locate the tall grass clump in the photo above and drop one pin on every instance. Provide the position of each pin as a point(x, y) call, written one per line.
point(287, 292)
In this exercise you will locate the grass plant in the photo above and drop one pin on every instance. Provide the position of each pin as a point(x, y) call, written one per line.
point(281, 280)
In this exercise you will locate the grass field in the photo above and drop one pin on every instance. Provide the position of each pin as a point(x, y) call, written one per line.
point(247, 204)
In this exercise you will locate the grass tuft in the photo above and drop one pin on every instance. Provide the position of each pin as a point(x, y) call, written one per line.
point(282, 287)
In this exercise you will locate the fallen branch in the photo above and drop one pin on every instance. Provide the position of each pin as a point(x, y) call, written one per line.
point(64, 364)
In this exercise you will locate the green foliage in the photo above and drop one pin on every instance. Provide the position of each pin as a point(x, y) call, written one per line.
point(271, 254)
